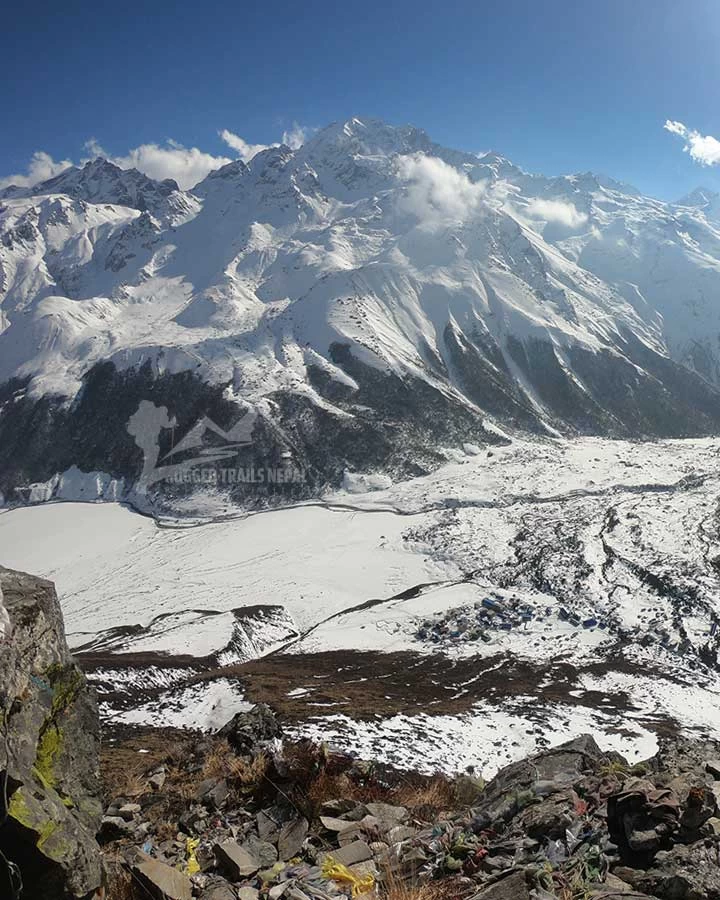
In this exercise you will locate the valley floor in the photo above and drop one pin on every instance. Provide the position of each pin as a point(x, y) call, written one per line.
point(511, 600)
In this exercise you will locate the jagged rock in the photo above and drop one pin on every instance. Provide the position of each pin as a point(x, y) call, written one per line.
point(263, 851)
point(401, 833)
point(157, 781)
point(128, 811)
point(549, 818)
point(514, 887)
point(516, 786)
point(50, 719)
point(349, 855)
point(248, 893)
point(387, 814)
point(291, 838)
point(688, 873)
point(249, 729)
point(219, 889)
point(337, 825)
point(162, 881)
point(340, 809)
point(114, 827)
point(236, 860)
point(641, 818)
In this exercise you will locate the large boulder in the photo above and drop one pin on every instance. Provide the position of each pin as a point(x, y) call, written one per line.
point(247, 731)
point(49, 741)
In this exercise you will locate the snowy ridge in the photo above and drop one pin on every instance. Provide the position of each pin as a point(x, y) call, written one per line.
point(335, 280)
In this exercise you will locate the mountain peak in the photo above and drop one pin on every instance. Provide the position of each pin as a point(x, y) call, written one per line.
point(704, 199)
point(369, 137)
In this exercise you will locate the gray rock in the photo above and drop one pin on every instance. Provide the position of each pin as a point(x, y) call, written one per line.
point(291, 838)
point(514, 887)
point(248, 893)
point(386, 813)
point(112, 828)
point(157, 781)
point(162, 881)
point(467, 789)
point(52, 748)
point(340, 808)
point(400, 833)
point(713, 767)
point(219, 889)
point(333, 824)
point(235, 860)
point(349, 855)
point(247, 730)
point(263, 851)
point(128, 811)
point(690, 873)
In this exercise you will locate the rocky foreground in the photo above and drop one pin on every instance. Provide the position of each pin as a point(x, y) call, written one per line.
point(246, 814)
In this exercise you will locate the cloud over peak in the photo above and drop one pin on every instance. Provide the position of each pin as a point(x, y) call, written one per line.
point(703, 148)
point(170, 159)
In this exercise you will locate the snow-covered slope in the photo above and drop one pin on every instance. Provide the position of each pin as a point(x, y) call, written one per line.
point(372, 296)
point(362, 618)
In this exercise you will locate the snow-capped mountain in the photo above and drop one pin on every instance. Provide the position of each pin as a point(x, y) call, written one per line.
point(374, 297)
point(101, 182)
point(705, 200)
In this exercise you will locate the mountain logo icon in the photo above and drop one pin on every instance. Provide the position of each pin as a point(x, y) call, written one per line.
point(149, 420)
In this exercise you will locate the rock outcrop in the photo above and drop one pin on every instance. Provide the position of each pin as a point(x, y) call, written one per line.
point(49, 742)
point(299, 821)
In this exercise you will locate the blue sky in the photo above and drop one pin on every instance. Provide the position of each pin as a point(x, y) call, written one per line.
point(555, 85)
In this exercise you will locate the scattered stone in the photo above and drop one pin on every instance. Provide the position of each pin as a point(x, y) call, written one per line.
point(513, 887)
point(387, 813)
point(235, 860)
point(219, 889)
point(162, 881)
point(113, 828)
point(349, 855)
point(248, 893)
point(263, 851)
point(336, 825)
point(291, 839)
point(247, 730)
point(128, 811)
point(157, 781)
point(401, 833)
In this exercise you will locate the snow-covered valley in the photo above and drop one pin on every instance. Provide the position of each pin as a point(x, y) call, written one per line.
point(515, 596)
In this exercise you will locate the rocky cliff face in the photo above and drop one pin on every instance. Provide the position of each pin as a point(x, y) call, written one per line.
point(49, 740)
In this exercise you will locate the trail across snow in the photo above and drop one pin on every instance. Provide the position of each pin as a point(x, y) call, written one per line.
point(621, 534)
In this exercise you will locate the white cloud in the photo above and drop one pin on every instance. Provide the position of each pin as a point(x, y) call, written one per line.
point(437, 193)
point(243, 149)
point(703, 148)
point(296, 136)
point(186, 165)
point(559, 212)
point(41, 167)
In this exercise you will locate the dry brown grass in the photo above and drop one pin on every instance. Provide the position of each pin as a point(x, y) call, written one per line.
point(130, 784)
point(426, 798)
point(395, 888)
